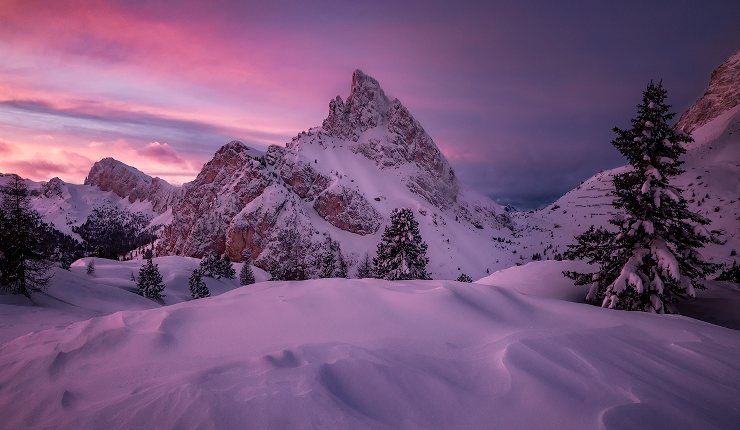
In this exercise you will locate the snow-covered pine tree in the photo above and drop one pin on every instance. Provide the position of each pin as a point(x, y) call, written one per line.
point(246, 276)
point(329, 259)
point(292, 266)
point(197, 285)
point(225, 269)
point(401, 252)
point(365, 269)
point(90, 267)
point(652, 260)
point(24, 256)
point(464, 278)
point(209, 264)
point(342, 269)
point(150, 281)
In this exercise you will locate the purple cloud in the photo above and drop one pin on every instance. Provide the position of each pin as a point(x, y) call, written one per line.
point(163, 153)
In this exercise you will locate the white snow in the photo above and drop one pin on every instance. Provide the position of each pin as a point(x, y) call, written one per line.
point(373, 354)
point(541, 279)
point(74, 295)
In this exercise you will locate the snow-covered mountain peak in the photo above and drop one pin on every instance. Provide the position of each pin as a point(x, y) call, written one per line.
point(384, 131)
point(722, 95)
point(111, 167)
point(366, 107)
point(128, 182)
point(340, 180)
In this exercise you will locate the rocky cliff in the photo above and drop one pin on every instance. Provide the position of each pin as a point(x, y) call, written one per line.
point(340, 180)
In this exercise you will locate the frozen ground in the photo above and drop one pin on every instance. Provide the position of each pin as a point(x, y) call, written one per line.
point(365, 354)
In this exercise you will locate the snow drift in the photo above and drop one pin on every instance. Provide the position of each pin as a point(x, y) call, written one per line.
point(373, 354)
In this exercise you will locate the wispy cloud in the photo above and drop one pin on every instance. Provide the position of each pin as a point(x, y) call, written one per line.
point(161, 152)
point(511, 86)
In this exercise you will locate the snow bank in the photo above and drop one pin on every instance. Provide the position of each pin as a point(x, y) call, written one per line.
point(541, 279)
point(374, 354)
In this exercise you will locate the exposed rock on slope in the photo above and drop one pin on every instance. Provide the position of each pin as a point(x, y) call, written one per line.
point(340, 180)
point(405, 141)
point(722, 95)
point(129, 183)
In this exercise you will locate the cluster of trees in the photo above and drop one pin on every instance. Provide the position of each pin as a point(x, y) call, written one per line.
point(650, 259)
point(111, 232)
point(217, 266)
point(401, 254)
point(29, 247)
point(333, 264)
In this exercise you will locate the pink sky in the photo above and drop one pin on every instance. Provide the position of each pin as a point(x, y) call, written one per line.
point(504, 90)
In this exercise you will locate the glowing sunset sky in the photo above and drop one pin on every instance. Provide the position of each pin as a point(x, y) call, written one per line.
point(520, 98)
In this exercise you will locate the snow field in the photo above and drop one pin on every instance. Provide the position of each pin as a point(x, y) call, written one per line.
point(368, 353)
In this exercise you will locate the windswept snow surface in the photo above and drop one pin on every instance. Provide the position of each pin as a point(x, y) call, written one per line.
point(75, 296)
point(374, 354)
point(541, 279)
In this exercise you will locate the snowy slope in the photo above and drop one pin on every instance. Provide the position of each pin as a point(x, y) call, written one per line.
point(374, 354)
point(718, 304)
point(710, 184)
point(75, 296)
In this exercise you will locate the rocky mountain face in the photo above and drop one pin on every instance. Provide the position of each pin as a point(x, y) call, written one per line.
point(129, 183)
point(722, 95)
point(339, 180)
point(367, 108)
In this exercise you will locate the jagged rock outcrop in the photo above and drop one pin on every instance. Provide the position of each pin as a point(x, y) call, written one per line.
point(226, 184)
point(340, 180)
point(129, 183)
point(722, 95)
point(405, 140)
point(55, 188)
point(348, 210)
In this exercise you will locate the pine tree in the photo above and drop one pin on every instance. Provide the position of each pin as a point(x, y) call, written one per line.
point(328, 259)
point(292, 265)
point(246, 276)
point(464, 278)
point(24, 255)
point(342, 269)
point(150, 281)
point(731, 274)
point(401, 251)
point(365, 270)
point(197, 285)
point(209, 264)
point(90, 267)
point(148, 254)
point(225, 268)
point(652, 259)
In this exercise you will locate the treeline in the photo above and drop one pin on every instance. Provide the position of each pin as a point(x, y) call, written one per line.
point(400, 255)
point(111, 232)
point(29, 247)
